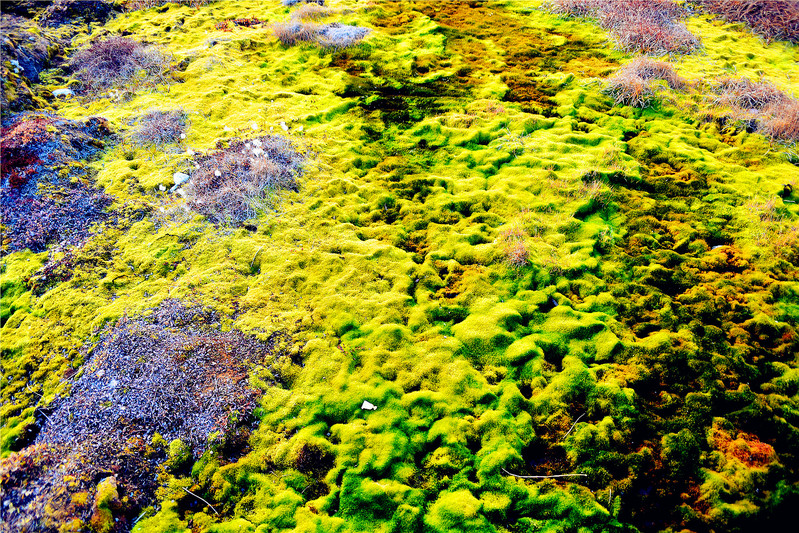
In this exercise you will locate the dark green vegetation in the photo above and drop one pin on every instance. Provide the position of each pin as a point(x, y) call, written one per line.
point(571, 315)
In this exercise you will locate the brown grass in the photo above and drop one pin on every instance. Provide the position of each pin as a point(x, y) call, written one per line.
point(627, 88)
point(234, 184)
point(117, 63)
point(135, 5)
point(158, 128)
point(747, 94)
point(773, 19)
point(514, 246)
point(293, 33)
point(781, 121)
point(776, 113)
point(311, 12)
point(633, 84)
point(332, 35)
point(643, 26)
point(651, 70)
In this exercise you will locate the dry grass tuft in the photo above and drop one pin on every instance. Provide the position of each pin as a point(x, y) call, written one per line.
point(775, 113)
point(773, 19)
point(514, 242)
point(312, 12)
point(120, 63)
point(643, 26)
point(747, 94)
point(633, 84)
point(781, 120)
point(235, 184)
point(294, 33)
point(158, 128)
point(135, 5)
point(332, 35)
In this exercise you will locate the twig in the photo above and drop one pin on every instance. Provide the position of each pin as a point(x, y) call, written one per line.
point(140, 517)
point(201, 499)
point(571, 428)
point(253, 257)
point(542, 477)
point(44, 415)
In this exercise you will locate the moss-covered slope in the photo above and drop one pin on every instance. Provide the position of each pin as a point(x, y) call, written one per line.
point(569, 315)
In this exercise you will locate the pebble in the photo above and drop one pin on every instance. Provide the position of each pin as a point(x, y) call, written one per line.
point(180, 177)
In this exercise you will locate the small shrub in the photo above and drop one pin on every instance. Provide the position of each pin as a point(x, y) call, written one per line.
point(157, 128)
point(773, 19)
point(120, 63)
point(234, 184)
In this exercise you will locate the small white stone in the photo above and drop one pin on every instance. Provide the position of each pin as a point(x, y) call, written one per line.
point(254, 126)
point(161, 188)
point(217, 173)
point(190, 151)
point(227, 128)
point(182, 135)
point(63, 92)
point(300, 128)
point(180, 177)
point(368, 406)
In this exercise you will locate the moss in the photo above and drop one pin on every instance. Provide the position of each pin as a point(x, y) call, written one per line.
point(106, 500)
point(451, 124)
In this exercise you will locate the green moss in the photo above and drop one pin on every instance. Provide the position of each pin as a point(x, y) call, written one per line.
point(451, 125)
